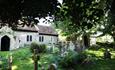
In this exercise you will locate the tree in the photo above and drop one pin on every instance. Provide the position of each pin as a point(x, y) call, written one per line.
point(80, 16)
point(84, 14)
point(109, 26)
point(25, 10)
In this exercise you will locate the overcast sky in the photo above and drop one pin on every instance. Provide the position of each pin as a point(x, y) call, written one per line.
point(60, 1)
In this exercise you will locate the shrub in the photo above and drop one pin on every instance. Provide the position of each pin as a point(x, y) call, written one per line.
point(81, 57)
point(40, 47)
point(72, 60)
point(3, 64)
point(94, 47)
point(56, 50)
point(106, 44)
point(68, 61)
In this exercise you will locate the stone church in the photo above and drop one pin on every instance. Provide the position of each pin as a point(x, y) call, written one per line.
point(14, 38)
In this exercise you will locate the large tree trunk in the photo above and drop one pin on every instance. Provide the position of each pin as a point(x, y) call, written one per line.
point(114, 39)
point(86, 41)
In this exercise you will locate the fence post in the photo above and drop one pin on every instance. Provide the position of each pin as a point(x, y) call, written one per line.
point(10, 62)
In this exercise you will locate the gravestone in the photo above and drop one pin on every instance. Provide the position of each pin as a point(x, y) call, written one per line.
point(52, 67)
point(107, 54)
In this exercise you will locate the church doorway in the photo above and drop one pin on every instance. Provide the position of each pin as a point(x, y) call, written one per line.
point(5, 43)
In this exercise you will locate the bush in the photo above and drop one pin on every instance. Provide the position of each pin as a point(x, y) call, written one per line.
point(68, 61)
point(3, 64)
point(81, 57)
point(106, 44)
point(72, 60)
point(40, 47)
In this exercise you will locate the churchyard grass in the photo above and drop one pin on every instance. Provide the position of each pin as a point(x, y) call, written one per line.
point(22, 60)
point(99, 63)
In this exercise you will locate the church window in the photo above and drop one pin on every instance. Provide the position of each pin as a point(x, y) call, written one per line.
point(41, 38)
point(27, 38)
point(30, 38)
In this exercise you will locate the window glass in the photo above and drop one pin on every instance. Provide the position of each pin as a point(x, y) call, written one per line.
point(30, 38)
point(42, 38)
point(27, 38)
point(39, 38)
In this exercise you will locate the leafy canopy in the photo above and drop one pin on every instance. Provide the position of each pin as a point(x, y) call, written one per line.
point(80, 15)
point(26, 10)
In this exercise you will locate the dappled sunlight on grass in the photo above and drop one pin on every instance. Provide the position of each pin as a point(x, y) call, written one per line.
point(99, 63)
point(96, 53)
point(22, 59)
point(30, 60)
point(1, 62)
point(99, 53)
point(14, 67)
point(113, 55)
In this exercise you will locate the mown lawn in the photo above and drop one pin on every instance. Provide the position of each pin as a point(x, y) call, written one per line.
point(22, 60)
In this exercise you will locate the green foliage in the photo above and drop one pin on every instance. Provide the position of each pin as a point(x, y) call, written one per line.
point(72, 60)
point(27, 9)
point(98, 62)
point(41, 48)
point(68, 61)
point(82, 14)
point(109, 20)
point(22, 60)
point(106, 44)
point(3, 63)
point(56, 50)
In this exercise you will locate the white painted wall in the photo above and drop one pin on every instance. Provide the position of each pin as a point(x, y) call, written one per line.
point(6, 31)
point(12, 41)
point(49, 39)
point(22, 36)
point(19, 38)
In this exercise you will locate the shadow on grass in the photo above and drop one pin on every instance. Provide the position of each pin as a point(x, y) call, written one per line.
point(99, 63)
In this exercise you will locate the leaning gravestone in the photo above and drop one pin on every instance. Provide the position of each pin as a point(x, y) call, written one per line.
point(52, 67)
point(107, 54)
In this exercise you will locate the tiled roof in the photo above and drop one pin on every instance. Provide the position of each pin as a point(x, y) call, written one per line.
point(27, 28)
point(44, 30)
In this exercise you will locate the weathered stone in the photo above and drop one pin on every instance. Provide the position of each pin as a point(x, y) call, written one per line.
point(52, 67)
point(107, 54)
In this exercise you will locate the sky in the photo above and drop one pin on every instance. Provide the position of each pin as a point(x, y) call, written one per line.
point(60, 1)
